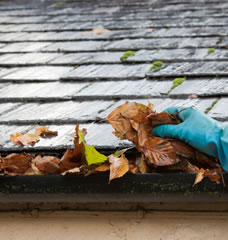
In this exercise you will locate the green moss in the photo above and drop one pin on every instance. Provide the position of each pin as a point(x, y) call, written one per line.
point(58, 3)
point(210, 51)
point(177, 82)
point(212, 105)
point(101, 110)
point(126, 55)
point(156, 65)
point(86, 86)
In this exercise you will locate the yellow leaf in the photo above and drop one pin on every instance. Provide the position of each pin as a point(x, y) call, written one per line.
point(118, 167)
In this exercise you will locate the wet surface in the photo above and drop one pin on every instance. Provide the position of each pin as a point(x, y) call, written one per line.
point(56, 70)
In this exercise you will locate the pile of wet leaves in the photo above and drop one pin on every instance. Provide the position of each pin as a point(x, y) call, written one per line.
point(132, 121)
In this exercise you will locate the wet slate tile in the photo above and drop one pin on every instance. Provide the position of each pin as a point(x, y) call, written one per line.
point(207, 87)
point(82, 58)
point(194, 54)
point(191, 69)
point(57, 112)
point(6, 107)
point(126, 89)
point(37, 73)
point(7, 37)
point(77, 46)
point(15, 19)
point(142, 43)
point(219, 111)
point(114, 71)
point(24, 47)
point(27, 59)
point(36, 91)
point(115, 34)
point(187, 32)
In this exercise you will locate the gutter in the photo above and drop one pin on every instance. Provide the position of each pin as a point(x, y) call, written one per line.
point(167, 191)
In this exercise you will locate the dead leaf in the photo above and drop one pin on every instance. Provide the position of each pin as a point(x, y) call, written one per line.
point(73, 171)
point(47, 164)
point(24, 140)
point(103, 168)
point(100, 10)
point(73, 157)
point(97, 31)
point(118, 166)
point(199, 176)
point(213, 175)
point(16, 163)
point(134, 122)
point(44, 132)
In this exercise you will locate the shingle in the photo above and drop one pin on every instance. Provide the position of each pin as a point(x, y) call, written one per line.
point(114, 71)
point(37, 73)
point(24, 47)
point(126, 89)
point(37, 91)
point(191, 69)
point(219, 111)
point(77, 46)
point(206, 87)
point(194, 54)
point(27, 59)
point(57, 112)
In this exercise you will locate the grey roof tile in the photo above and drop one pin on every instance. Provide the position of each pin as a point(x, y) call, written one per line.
point(191, 69)
point(114, 71)
point(126, 89)
point(41, 44)
point(57, 112)
point(27, 59)
point(38, 91)
point(219, 111)
point(206, 87)
point(36, 73)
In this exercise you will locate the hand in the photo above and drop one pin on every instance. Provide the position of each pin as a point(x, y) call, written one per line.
point(196, 129)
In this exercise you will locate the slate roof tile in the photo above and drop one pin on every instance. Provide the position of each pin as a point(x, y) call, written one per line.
point(55, 71)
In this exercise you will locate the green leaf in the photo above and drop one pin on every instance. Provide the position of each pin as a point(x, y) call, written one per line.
point(93, 156)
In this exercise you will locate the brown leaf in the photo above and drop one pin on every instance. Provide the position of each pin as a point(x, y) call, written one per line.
point(134, 122)
point(97, 31)
point(16, 163)
point(100, 10)
point(47, 164)
point(73, 171)
point(118, 166)
point(33, 170)
point(45, 133)
point(73, 157)
point(199, 176)
point(24, 140)
point(213, 175)
point(103, 168)
point(142, 164)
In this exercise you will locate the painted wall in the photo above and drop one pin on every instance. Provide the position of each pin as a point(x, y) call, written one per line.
point(113, 225)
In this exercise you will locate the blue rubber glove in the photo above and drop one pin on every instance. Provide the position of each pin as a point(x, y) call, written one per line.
point(198, 130)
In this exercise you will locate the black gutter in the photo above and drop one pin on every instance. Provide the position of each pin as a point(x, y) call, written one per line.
point(132, 191)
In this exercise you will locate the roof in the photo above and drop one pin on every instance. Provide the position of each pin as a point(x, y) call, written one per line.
point(54, 70)
point(60, 65)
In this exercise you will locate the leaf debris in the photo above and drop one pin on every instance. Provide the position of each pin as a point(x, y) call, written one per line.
point(132, 121)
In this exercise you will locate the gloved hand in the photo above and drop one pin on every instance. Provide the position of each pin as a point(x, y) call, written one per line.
point(198, 130)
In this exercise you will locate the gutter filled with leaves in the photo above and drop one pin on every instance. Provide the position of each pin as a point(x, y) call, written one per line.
point(131, 121)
